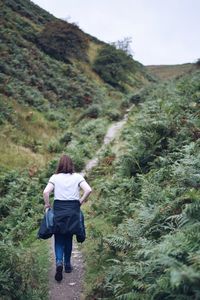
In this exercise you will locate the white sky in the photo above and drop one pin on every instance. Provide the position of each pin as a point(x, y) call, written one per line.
point(162, 31)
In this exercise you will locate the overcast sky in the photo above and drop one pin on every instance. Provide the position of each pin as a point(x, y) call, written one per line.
point(162, 31)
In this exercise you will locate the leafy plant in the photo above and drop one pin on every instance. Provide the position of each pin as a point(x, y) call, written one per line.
point(63, 41)
point(113, 65)
point(149, 199)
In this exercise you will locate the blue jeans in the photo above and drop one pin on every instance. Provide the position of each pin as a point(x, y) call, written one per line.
point(63, 248)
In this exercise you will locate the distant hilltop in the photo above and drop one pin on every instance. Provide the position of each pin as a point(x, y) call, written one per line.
point(170, 71)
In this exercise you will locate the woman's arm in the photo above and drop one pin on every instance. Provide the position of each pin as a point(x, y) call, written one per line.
point(48, 189)
point(86, 191)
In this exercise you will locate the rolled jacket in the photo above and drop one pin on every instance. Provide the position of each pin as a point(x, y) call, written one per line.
point(67, 217)
point(46, 229)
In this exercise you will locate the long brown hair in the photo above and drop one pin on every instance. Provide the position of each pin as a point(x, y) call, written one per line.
point(65, 165)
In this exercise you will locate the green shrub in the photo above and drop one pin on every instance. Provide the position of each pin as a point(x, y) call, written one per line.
point(198, 63)
point(93, 111)
point(135, 99)
point(24, 261)
point(113, 115)
point(54, 147)
point(79, 162)
point(66, 138)
point(94, 128)
point(113, 65)
point(25, 276)
point(63, 41)
point(51, 116)
point(125, 103)
point(30, 11)
point(6, 111)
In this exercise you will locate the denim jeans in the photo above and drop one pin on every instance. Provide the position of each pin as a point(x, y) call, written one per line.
point(63, 248)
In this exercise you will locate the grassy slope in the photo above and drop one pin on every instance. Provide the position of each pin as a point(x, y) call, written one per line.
point(46, 96)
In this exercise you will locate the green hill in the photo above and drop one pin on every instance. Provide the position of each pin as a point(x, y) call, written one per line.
point(165, 72)
point(52, 82)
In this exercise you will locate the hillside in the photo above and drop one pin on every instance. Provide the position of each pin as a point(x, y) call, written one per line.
point(144, 231)
point(165, 72)
point(50, 82)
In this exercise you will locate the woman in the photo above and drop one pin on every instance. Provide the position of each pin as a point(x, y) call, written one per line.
point(66, 185)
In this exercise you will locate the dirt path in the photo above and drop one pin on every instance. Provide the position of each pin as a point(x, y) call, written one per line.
point(70, 288)
point(111, 134)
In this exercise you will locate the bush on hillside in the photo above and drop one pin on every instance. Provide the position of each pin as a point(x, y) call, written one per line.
point(93, 111)
point(94, 128)
point(113, 114)
point(78, 162)
point(63, 41)
point(198, 63)
point(135, 99)
point(66, 138)
point(54, 147)
point(29, 10)
point(6, 111)
point(113, 65)
point(125, 103)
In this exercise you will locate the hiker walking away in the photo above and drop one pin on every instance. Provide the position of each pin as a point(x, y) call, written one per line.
point(66, 185)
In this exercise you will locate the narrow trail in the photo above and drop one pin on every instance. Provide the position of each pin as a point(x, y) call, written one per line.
point(111, 134)
point(71, 287)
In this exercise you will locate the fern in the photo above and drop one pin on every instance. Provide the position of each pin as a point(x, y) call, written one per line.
point(129, 296)
point(151, 200)
point(118, 242)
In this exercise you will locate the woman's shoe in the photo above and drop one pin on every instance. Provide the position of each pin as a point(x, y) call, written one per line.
point(58, 275)
point(68, 269)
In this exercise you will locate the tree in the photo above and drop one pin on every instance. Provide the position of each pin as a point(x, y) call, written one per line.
point(198, 63)
point(124, 45)
point(114, 65)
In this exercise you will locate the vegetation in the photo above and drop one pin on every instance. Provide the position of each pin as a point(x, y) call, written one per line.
point(47, 96)
point(198, 63)
point(144, 231)
point(60, 89)
point(166, 72)
point(51, 101)
point(114, 65)
point(63, 41)
point(22, 271)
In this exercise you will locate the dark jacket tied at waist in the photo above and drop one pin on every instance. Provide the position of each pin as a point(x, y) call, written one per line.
point(67, 216)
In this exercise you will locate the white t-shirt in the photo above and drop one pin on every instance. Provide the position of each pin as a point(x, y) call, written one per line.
point(66, 186)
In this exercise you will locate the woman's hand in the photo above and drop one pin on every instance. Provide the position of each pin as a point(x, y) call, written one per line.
point(47, 206)
point(48, 189)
